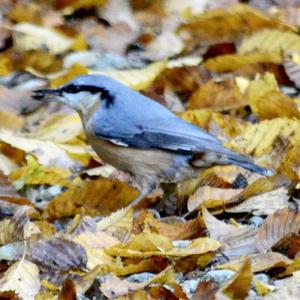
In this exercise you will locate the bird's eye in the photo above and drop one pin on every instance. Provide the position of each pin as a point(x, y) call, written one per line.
point(71, 89)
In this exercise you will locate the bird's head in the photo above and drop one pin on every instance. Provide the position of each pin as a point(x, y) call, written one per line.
point(83, 93)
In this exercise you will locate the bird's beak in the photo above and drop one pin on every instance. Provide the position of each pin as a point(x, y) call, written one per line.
point(46, 95)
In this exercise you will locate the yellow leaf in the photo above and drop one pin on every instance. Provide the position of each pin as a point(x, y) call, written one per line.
point(257, 88)
point(99, 197)
point(94, 243)
point(199, 117)
point(275, 104)
point(10, 120)
point(270, 39)
point(137, 79)
point(118, 224)
point(227, 23)
point(79, 43)
point(211, 197)
point(36, 174)
point(258, 139)
point(267, 102)
point(238, 287)
point(78, 4)
point(23, 278)
point(221, 95)
point(76, 70)
point(233, 62)
point(5, 65)
point(260, 262)
point(113, 286)
point(60, 128)
point(262, 288)
point(28, 36)
point(47, 152)
point(150, 244)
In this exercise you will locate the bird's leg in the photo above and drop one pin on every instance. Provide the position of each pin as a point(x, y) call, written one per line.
point(146, 189)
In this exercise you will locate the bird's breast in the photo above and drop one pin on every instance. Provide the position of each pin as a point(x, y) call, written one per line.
point(157, 165)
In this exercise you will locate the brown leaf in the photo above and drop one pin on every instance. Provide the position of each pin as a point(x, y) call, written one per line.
point(113, 286)
point(263, 204)
point(68, 291)
point(274, 104)
point(260, 262)
point(276, 227)
point(99, 196)
point(150, 244)
point(221, 24)
point(237, 240)
point(175, 230)
point(211, 197)
point(217, 95)
point(206, 290)
point(238, 287)
point(234, 62)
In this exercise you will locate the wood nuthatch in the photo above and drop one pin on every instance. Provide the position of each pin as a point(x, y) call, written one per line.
point(138, 135)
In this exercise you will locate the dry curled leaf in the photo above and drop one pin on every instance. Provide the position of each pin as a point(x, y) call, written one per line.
point(221, 24)
point(281, 224)
point(23, 278)
point(99, 196)
point(237, 240)
point(238, 287)
point(217, 95)
point(28, 36)
point(260, 262)
point(263, 204)
point(258, 139)
point(113, 286)
point(271, 39)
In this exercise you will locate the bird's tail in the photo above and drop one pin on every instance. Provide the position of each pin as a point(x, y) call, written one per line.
point(229, 157)
point(246, 163)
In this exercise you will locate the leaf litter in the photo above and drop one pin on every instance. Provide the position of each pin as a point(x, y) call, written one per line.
point(228, 67)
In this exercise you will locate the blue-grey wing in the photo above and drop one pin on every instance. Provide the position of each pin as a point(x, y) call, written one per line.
point(171, 134)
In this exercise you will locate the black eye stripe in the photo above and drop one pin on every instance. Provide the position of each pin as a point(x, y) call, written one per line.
point(74, 89)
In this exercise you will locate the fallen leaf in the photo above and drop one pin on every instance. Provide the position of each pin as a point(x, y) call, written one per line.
point(261, 262)
point(277, 226)
point(35, 174)
point(150, 244)
point(47, 152)
point(273, 39)
point(28, 36)
point(233, 62)
point(113, 286)
point(221, 24)
point(175, 230)
point(263, 204)
point(258, 139)
point(238, 241)
point(68, 291)
point(65, 76)
point(238, 287)
point(99, 197)
point(23, 278)
point(198, 117)
point(210, 197)
point(206, 290)
point(94, 243)
point(217, 95)
point(60, 128)
point(136, 79)
point(290, 290)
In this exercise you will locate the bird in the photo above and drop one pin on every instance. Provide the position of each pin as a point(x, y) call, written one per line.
point(140, 136)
